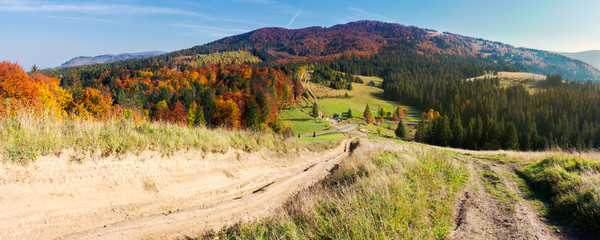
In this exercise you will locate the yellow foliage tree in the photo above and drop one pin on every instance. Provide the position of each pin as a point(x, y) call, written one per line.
point(93, 103)
point(227, 113)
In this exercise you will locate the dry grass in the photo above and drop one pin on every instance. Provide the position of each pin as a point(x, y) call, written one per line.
point(376, 194)
point(23, 138)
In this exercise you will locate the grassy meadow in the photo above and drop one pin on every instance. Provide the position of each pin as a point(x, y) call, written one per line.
point(333, 101)
point(375, 195)
point(302, 122)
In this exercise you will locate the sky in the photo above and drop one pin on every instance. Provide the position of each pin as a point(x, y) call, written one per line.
point(49, 33)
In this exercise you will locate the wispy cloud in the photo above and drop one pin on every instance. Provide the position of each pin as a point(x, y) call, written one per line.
point(297, 14)
point(79, 19)
point(85, 8)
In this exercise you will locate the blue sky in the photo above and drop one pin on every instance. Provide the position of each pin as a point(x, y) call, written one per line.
point(48, 33)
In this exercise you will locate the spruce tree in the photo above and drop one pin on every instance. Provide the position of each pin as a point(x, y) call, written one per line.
point(457, 132)
point(440, 131)
point(252, 115)
point(400, 130)
point(315, 110)
point(208, 103)
point(509, 137)
point(265, 108)
point(199, 119)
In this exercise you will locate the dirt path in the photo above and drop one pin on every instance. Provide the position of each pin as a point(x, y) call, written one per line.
point(150, 196)
point(492, 206)
point(305, 78)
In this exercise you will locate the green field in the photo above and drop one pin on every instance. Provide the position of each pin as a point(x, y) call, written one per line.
point(331, 137)
point(302, 123)
point(361, 95)
point(332, 101)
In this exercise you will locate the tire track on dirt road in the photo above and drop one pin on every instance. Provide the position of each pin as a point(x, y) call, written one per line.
point(195, 221)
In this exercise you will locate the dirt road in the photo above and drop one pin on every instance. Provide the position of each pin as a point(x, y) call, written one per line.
point(492, 206)
point(151, 196)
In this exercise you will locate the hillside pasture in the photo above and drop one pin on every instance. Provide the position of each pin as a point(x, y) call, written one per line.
point(508, 79)
point(334, 101)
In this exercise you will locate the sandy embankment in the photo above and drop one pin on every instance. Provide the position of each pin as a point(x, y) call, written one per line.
point(147, 195)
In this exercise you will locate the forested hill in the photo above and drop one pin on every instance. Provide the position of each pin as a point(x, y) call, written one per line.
point(354, 38)
point(78, 61)
point(369, 37)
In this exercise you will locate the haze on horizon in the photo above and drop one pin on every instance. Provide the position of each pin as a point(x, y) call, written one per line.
point(48, 33)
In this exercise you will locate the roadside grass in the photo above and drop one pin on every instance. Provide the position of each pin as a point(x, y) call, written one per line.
point(494, 185)
point(571, 188)
point(23, 138)
point(302, 122)
point(406, 194)
point(330, 137)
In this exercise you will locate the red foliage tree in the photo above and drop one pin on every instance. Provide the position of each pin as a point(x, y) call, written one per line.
point(178, 113)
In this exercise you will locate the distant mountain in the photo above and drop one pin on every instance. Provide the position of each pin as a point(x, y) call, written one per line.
point(78, 61)
point(592, 57)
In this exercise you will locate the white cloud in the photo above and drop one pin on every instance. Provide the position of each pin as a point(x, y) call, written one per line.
point(87, 8)
point(297, 14)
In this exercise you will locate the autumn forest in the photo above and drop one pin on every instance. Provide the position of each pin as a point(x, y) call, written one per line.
point(244, 81)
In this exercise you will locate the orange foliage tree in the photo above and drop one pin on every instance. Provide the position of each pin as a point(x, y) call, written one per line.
point(93, 104)
point(400, 113)
point(17, 90)
point(227, 113)
point(38, 93)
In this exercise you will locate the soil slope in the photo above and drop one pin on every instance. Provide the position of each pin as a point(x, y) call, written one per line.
point(149, 195)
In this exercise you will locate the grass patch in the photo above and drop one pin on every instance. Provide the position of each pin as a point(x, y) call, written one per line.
point(23, 138)
point(571, 188)
point(387, 129)
point(393, 195)
point(493, 184)
point(302, 122)
point(331, 137)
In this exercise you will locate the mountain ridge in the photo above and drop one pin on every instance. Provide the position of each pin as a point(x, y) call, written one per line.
point(591, 57)
point(363, 38)
point(276, 45)
point(106, 58)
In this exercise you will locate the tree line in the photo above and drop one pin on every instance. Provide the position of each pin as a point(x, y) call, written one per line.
point(231, 96)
